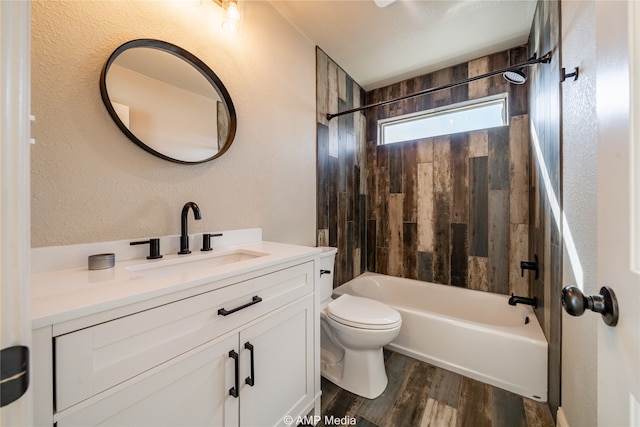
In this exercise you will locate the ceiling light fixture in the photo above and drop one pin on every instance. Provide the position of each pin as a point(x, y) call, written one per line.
point(232, 14)
point(383, 3)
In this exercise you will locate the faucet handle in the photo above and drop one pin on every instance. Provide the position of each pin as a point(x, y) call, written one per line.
point(529, 265)
point(206, 240)
point(154, 247)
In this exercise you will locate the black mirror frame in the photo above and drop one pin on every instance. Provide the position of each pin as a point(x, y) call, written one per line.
point(198, 65)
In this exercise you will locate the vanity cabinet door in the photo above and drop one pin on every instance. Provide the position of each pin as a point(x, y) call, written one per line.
point(283, 381)
point(189, 390)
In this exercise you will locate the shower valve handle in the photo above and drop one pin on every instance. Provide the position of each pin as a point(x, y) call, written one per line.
point(529, 265)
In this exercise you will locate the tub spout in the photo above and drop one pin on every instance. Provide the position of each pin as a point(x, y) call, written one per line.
point(523, 300)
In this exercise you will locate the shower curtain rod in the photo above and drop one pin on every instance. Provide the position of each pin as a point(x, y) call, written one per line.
point(544, 59)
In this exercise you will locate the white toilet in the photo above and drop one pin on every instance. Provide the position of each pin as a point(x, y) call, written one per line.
point(353, 332)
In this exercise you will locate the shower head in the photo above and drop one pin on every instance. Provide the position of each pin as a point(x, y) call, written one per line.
point(517, 77)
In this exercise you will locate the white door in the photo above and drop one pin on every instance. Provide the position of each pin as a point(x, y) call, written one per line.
point(15, 322)
point(617, 89)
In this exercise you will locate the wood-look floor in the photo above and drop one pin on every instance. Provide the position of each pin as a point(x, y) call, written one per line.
point(419, 394)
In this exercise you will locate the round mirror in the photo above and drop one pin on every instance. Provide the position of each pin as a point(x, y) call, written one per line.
point(168, 101)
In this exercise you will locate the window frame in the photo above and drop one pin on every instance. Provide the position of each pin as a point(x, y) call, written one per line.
point(446, 109)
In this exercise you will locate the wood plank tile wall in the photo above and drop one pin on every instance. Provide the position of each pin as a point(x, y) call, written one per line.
point(452, 209)
point(341, 200)
point(545, 191)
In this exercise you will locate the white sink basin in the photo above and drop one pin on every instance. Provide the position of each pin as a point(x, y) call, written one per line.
point(192, 263)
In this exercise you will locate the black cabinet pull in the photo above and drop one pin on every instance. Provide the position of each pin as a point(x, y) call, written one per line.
point(252, 378)
point(224, 312)
point(235, 391)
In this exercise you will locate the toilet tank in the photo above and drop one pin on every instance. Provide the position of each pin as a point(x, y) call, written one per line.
point(327, 262)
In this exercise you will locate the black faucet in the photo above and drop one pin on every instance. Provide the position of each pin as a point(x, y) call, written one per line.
point(184, 234)
point(523, 300)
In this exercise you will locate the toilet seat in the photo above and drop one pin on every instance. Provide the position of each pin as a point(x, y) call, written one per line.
point(363, 313)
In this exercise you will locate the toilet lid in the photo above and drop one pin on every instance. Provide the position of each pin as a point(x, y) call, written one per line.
point(363, 313)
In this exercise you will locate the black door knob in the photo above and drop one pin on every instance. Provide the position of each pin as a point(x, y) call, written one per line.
point(575, 303)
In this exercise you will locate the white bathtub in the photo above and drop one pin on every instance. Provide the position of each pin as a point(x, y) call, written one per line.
point(476, 334)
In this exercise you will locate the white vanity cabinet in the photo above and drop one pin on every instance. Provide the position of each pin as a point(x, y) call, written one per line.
point(243, 354)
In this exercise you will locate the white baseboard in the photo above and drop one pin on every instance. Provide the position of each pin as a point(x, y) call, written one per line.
point(561, 418)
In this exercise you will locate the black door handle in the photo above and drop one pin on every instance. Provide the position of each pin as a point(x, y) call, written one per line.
point(250, 379)
point(224, 312)
point(576, 303)
point(235, 391)
point(14, 375)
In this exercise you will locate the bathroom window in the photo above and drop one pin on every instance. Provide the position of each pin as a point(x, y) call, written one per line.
point(467, 116)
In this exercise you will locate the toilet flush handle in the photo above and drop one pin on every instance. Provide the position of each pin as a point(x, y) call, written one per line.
point(323, 272)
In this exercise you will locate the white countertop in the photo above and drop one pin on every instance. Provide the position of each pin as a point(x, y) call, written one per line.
point(70, 293)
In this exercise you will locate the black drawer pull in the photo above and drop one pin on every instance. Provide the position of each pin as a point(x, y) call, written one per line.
point(223, 312)
point(235, 391)
point(251, 380)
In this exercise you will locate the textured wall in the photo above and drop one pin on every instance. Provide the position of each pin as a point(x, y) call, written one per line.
point(90, 183)
point(580, 165)
point(452, 209)
point(545, 185)
point(341, 171)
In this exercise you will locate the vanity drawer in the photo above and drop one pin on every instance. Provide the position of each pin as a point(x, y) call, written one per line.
point(94, 359)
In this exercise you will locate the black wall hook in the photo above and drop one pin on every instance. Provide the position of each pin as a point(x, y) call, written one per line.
point(565, 76)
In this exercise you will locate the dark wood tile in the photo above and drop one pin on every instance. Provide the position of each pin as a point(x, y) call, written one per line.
point(371, 245)
point(441, 245)
point(460, 93)
point(442, 77)
point(445, 387)
point(410, 250)
point(333, 201)
point(363, 236)
point(459, 255)
point(348, 273)
point(499, 238)
point(409, 87)
point(323, 176)
point(410, 185)
point(537, 414)
point(459, 158)
point(382, 260)
point(479, 209)
point(474, 408)
point(407, 410)
point(425, 266)
point(507, 409)
point(382, 154)
point(499, 158)
point(342, 257)
point(349, 94)
point(424, 102)
point(395, 168)
point(383, 231)
point(343, 147)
